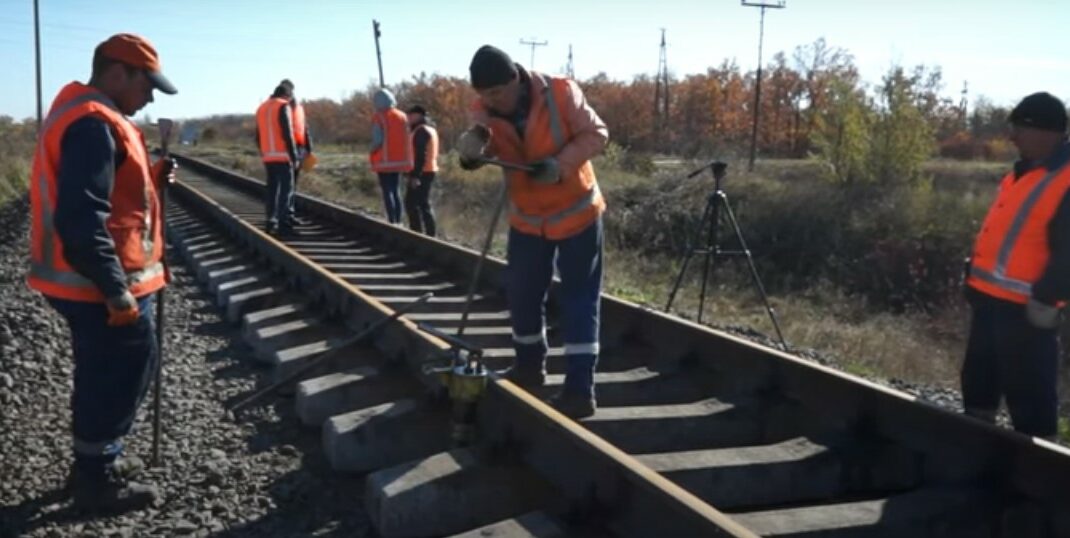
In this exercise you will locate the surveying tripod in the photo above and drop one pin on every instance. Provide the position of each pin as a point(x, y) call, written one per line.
point(716, 204)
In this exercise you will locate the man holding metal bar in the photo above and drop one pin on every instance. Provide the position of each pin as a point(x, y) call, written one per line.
point(96, 254)
point(555, 213)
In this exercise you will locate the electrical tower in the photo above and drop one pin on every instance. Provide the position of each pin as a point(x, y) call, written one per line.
point(661, 93)
point(774, 4)
point(964, 103)
point(532, 43)
point(570, 70)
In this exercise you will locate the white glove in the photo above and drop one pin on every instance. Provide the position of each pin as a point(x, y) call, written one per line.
point(1040, 315)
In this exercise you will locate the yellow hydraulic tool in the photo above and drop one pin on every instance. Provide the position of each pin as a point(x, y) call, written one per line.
point(464, 379)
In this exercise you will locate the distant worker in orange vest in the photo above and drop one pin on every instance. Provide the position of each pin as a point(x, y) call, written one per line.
point(1019, 277)
point(278, 150)
point(96, 251)
point(391, 151)
point(302, 138)
point(422, 176)
point(555, 213)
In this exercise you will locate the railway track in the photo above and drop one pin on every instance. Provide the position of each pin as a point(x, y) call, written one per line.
point(698, 433)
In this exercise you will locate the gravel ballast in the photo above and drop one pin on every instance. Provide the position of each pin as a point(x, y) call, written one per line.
point(260, 476)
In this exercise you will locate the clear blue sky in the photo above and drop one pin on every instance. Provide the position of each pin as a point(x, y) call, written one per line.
point(226, 55)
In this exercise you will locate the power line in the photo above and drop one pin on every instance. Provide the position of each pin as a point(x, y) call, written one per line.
point(775, 4)
point(532, 43)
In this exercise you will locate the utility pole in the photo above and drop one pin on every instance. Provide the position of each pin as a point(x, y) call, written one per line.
point(661, 92)
point(964, 103)
point(37, 59)
point(774, 4)
point(378, 55)
point(532, 43)
point(570, 70)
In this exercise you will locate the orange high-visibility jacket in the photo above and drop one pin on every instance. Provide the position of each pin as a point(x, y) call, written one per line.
point(395, 154)
point(1011, 251)
point(557, 210)
point(273, 148)
point(135, 211)
point(431, 150)
point(299, 124)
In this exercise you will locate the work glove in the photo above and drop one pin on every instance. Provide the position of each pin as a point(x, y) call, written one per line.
point(545, 171)
point(414, 181)
point(122, 310)
point(472, 146)
point(1042, 315)
point(165, 171)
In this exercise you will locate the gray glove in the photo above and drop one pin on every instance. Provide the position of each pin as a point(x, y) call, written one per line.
point(472, 144)
point(1040, 315)
point(546, 171)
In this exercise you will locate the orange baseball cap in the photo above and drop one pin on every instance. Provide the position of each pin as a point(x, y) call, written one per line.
point(137, 52)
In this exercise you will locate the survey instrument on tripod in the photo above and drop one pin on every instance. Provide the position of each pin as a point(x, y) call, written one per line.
point(710, 223)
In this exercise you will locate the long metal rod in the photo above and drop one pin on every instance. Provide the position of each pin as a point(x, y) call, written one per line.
point(378, 54)
point(487, 241)
point(37, 59)
point(310, 365)
point(166, 128)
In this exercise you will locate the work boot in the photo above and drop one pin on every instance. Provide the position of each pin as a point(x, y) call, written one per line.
point(573, 405)
point(127, 467)
point(526, 378)
point(112, 493)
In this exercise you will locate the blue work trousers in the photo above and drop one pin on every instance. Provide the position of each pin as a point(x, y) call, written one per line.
point(280, 192)
point(1008, 358)
point(531, 268)
point(389, 183)
point(113, 367)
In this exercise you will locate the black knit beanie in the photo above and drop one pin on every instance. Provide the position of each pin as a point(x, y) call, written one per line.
point(491, 67)
point(1040, 110)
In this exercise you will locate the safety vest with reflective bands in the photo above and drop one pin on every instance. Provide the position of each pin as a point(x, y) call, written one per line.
point(1011, 251)
point(395, 153)
point(299, 124)
point(431, 149)
point(272, 142)
point(556, 210)
point(135, 213)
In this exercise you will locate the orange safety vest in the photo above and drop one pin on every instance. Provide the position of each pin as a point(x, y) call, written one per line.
point(557, 210)
point(272, 143)
point(1011, 251)
point(299, 124)
point(135, 209)
point(395, 154)
point(431, 150)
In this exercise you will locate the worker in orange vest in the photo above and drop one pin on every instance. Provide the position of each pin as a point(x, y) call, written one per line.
point(555, 213)
point(424, 169)
point(1018, 277)
point(96, 253)
point(302, 138)
point(391, 151)
point(278, 151)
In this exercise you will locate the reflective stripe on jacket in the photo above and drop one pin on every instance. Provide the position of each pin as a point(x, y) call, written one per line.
point(299, 124)
point(430, 150)
point(558, 117)
point(395, 153)
point(1012, 249)
point(135, 213)
point(273, 146)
